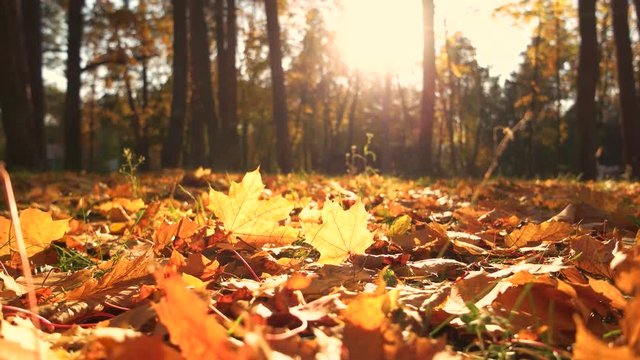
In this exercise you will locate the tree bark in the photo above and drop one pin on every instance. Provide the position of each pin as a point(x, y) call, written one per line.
point(226, 42)
point(427, 102)
point(72, 112)
point(587, 82)
point(386, 148)
point(32, 23)
point(280, 118)
point(453, 101)
point(630, 122)
point(201, 93)
point(172, 148)
point(17, 109)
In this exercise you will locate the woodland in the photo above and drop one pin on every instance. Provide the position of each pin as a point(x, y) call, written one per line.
point(213, 179)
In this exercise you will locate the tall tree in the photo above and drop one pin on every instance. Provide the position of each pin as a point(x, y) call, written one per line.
point(279, 97)
point(17, 109)
point(587, 81)
point(72, 113)
point(202, 108)
point(385, 150)
point(628, 101)
point(226, 42)
point(427, 102)
point(172, 148)
point(32, 24)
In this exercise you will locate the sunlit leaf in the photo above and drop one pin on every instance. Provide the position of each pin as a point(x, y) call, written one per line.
point(342, 232)
point(246, 216)
point(38, 229)
point(186, 318)
point(551, 231)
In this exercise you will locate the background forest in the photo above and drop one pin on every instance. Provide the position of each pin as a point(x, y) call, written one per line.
point(232, 84)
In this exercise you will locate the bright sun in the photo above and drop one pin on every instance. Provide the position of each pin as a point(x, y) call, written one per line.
point(381, 35)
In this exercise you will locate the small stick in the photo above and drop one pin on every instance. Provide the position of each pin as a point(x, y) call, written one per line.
point(26, 267)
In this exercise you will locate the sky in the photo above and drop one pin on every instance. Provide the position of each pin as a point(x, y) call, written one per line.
point(376, 34)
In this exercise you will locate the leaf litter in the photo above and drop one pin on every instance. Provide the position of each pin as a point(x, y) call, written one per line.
point(305, 266)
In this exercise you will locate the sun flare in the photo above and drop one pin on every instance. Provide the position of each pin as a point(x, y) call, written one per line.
point(380, 35)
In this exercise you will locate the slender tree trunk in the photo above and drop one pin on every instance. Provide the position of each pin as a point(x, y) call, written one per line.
point(17, 109)
point(386, 146)
point(283, 151)
point(630, 122)
point(172, 149)
point(201, 93)
point(558, 80)
point(73, 114)
point(532, 162)
point(32, 22)
point(452, 102)
point(352, 116)
point(587, 82)
point(226, 42)
point(427, 102)
point(636, 4)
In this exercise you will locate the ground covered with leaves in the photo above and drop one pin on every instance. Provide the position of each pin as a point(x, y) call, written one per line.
point(200, 265)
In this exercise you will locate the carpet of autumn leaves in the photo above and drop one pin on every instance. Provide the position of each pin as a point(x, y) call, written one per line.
point(199, 265)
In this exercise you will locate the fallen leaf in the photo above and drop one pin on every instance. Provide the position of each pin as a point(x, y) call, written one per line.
point(342, 232)
point(186, 318)
point(588, 347)
point(137, 347)
point(246, 216)
point(631, 324)
point(38, 229)
point(546, 232)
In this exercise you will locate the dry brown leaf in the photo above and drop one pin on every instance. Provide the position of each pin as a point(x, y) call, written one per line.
point(631, 325)
point(588, 347)
point(246, 216)
point(138, 347)
point(166, 233)
point(38, 229)
point(552, 231)
point(121, 274)
point(186, 318)
point(342, 232)
point(595, 255)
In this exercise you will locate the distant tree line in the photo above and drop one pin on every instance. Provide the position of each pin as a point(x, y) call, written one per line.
point(231, 84)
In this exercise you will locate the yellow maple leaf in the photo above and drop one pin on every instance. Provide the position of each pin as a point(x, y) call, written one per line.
point(342, 232)
point(246, 216)
point(38, 229)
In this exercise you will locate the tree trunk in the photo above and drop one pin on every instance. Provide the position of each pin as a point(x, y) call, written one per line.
point(386, 146)
point(352, 116)
point(32, 23)
point(587, 82)
point(630, 124)
point(17, 109)
point(201, 93)
point(427, 102)
point(453, 101)
point(72, 112)
point(283, 152)
point(226, 41)
point(636, 4)
point(172, 148)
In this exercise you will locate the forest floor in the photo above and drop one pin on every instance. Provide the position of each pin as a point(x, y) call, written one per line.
point(200, 265)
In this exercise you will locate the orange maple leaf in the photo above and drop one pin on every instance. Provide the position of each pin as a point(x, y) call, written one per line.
point(185, 315)
point(38, 228)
